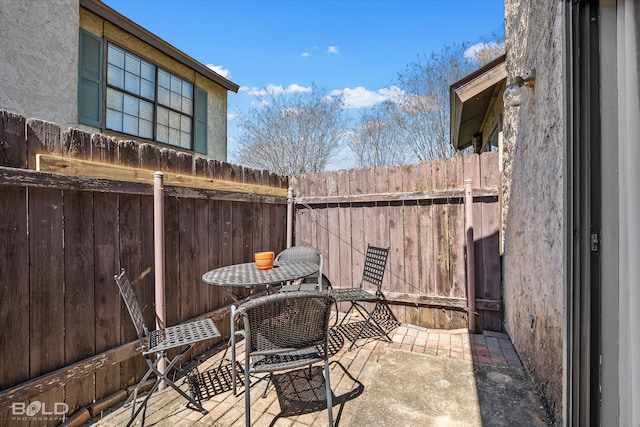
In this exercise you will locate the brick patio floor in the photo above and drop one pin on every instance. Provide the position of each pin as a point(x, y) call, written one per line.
point(167, 408)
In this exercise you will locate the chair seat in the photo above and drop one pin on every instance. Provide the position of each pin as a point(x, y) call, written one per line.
point(352, 294)
point(285, 360)
point(178, 335)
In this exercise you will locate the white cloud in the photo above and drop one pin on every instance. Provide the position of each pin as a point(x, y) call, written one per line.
point(332, 49)
point(473, 52)
point(360, 97)
point(305, 54)
point(220, 70)
point(275, 89)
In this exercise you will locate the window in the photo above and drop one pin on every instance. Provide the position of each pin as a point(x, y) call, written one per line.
point(141, 99)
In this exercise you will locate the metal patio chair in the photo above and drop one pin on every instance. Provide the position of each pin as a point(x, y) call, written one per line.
point(284, 331)
point(155, 344)
point(310, 283)
point(379, 321)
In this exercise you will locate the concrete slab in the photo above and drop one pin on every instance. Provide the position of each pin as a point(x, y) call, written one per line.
point(412, 389)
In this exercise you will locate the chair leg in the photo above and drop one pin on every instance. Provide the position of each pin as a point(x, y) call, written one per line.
point(369, 320)
point(327, 383)
point(247, 398)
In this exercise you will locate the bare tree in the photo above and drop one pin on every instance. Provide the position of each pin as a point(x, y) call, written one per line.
point(424, 106)
point(379, 140)
point(292, 133)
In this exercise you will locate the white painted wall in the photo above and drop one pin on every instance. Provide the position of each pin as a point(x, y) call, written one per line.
point(39, 59)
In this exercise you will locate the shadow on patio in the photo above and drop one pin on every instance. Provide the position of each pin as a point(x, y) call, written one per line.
point(425, 377)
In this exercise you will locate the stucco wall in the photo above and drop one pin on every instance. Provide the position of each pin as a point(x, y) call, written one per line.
point(534, 137)
point(39, 59)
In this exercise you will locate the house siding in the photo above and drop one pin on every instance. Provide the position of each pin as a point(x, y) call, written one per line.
point(534, 135)
point(39, 59)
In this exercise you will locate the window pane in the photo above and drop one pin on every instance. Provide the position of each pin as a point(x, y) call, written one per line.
point(132, 64)
point(174, 137)
point(176, 85)
point(163, 116)
point(163, 79)
point(147, 71)
point(146, 89)
point(114, 120)
point(187, 106)
point(115, 76)
point(132, 83)
point(186, 140)
point(176, 101)
point(187, 90)
point(114, 99)
point(146, 129)
point(116, 56)
point(164, 96)
point(163, 134)
point(130, 105)
point(130, 124)
point(146, 110)
point(185, 124)
point(174, 120)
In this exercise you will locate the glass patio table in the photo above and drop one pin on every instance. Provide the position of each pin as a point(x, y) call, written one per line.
point(247, 275)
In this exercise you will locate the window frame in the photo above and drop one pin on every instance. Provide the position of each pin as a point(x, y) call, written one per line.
point(155, 102)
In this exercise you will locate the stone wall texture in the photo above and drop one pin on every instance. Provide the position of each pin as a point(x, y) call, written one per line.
point(534, 135)
point(39, 59)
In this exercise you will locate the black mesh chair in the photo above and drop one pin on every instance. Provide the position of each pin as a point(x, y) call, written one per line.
point(155, 344)
point(379, 321)
point(284, 331)
point(310, 283)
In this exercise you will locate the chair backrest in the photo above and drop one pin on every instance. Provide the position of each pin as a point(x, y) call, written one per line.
point(375, 262)
point(126, 291)
point(303, 253)
point(291, 320)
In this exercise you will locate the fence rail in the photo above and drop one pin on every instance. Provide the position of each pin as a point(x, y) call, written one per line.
point(418, 211)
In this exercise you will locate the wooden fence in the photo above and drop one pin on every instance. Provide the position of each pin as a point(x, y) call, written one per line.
point(418, 211)
point(66, 336)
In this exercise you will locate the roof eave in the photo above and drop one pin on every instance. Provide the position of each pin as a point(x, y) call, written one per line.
point(478, 87)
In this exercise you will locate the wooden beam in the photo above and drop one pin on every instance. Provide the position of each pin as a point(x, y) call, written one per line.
point(56, 379)
point(30, 178)
point(483, 192)
point(444, 302)
point(59, 378)
point(64, 165)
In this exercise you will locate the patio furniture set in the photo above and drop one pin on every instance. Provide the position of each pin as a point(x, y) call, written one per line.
point(288, 328)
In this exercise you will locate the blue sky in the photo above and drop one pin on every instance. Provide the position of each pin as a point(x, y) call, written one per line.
point(357, 47)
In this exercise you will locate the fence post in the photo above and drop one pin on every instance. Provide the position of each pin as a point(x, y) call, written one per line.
point(290, 217)
point(471, 277)
point(158, 250)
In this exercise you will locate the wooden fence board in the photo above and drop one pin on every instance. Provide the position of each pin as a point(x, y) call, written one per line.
point(14, 292)
point(107, 298)
point(46, 274)
point(79, 276)
point(12, 138)
point(186, 253)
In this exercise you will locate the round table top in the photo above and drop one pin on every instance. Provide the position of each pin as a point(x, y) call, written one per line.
point(247, 274)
